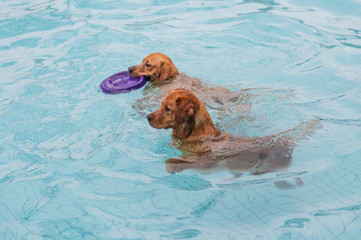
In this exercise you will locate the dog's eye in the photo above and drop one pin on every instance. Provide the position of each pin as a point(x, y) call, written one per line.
point(166, 108)
point(148, 65)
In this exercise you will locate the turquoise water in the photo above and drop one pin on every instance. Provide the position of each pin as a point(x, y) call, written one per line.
point(78, 164)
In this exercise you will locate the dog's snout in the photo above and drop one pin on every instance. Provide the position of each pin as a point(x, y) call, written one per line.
point(149, 117)
point(130, 69)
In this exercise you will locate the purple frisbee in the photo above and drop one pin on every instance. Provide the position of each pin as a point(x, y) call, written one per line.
point(122, 82)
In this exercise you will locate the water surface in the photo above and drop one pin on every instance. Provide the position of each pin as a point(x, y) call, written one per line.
point(78, 164)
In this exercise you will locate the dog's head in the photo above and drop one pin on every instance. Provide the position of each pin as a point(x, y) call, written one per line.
point(178, 111)
point(155, 67)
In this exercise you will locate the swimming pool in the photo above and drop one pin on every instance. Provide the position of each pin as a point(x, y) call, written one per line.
point(78, 164)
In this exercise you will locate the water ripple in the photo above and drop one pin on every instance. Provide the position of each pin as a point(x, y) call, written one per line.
point(338, 210)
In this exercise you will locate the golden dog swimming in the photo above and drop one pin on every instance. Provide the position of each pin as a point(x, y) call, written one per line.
point(205, 147)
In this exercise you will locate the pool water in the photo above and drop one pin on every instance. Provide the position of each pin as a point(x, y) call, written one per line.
point(76, 163)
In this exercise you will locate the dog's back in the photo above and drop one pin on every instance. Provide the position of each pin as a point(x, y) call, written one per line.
point(274, 152)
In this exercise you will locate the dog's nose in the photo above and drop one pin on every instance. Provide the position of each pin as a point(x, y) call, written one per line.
point(130, 69)
point(149, 117)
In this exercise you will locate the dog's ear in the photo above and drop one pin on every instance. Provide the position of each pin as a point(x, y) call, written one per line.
point(167, 70)
point(184, 117)
point(184, 111)
point(184, 130)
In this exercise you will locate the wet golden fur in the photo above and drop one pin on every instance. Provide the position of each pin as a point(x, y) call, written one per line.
point(205, 147)
point(155, 67)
